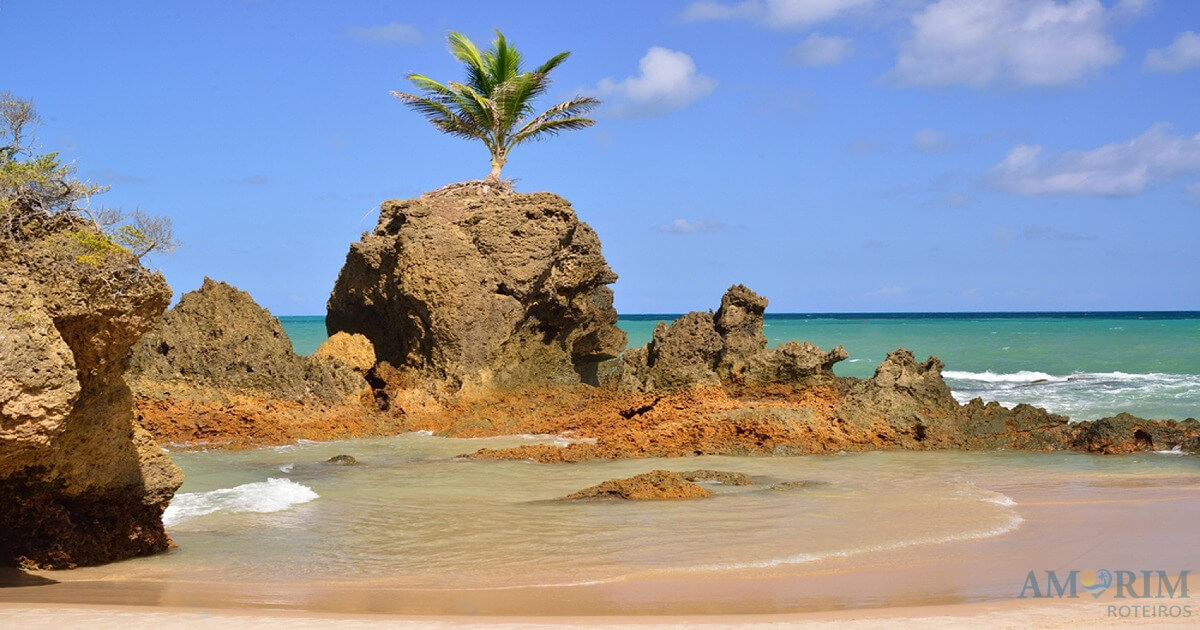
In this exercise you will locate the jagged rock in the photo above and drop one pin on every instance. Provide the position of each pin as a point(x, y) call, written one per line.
point(726, 347)
point(506, 289)
point(342, 460)
point(1127, 433)
point(353, 350)
point(80, 482)
point(902, 392)
point(722, 477)
point(652, 486)
point(793, 363)
point(218, 337)
point(220, 368)
point(739, 322)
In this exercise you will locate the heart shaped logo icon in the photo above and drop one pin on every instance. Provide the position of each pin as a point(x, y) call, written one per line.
point(1096, 582)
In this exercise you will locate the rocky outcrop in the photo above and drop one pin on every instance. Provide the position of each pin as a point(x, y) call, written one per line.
point(80, 482)
point(477, 290)
point(722, 477)
point(727, 347)
point(218, 369)
point(355, 351)
point(656, 485)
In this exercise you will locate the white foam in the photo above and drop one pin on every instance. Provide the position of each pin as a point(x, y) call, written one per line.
point(1177, 450)
point(1024, 376)
point(272, 495)
point(286, 468)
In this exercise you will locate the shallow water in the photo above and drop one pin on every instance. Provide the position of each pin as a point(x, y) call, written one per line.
point(1085, 366)
point(413, 515)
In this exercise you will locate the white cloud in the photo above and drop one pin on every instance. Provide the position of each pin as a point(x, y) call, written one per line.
point(394, 33)
point(1182, 54)
point(774, 13)
point(931, 141)
point(707, 10)
point(1017, 42)
point(887, 292)
point(1118, 169)
point(683, 226)
point(667, 80)
point(821, 50)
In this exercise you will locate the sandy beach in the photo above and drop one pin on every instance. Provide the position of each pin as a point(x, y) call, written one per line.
point(1134, 525)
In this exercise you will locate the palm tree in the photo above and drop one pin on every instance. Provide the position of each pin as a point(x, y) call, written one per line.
point(494, 104)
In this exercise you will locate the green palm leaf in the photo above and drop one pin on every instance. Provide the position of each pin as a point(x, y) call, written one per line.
point(495, 102)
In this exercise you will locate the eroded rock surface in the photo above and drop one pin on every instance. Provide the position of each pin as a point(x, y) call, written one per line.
point(728, 347)
point(218, 368)
point(80, 482)
point(479, 290)
point(656, 485)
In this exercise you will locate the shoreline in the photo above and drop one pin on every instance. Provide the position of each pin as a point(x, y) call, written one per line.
point(1127, 526)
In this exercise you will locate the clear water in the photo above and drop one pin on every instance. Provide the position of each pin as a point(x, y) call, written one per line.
point(1083, 365)
point(413, 515)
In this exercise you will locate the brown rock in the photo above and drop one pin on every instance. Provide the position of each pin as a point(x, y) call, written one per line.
point(652, 486)
point(80, 482)
point(219, 369)
point(722, 477)
point(474, 289)
point(353, 350)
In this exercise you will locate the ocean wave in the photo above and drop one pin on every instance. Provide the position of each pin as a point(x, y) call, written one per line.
point(1084, 395)
point(272, 495)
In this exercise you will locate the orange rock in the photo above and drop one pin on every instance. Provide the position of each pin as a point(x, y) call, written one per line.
point(655, 485)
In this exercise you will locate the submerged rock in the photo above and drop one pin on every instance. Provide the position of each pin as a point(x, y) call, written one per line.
point(80, 482)
point(342, 460)
point(471, 289)
point(720, 476)
point(652, 486)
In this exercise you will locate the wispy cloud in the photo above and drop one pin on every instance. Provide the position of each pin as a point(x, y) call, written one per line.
point(1182, 54)
point(251, 180)
point(1114, 170)
point(821, 50)
point(931, 141)
point(683, 226)
point(1017, 42)
point(393, 33)
point(667, 80)
point(774, 13)
point(888, 292)
point(1047, 233)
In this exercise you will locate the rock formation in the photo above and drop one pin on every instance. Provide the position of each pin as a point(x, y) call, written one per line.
point(725, 347)
point(472, 289)
point(80, 482)
point(219, 368)
point(655, 485)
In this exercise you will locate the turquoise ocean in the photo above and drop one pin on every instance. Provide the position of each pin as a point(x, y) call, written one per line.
point(1084, 365)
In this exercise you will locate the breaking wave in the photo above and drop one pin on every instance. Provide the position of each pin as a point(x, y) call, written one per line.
point(1084, 395)
point(272, 495)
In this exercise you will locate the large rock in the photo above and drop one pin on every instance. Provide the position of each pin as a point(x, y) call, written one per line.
point(656, 485)
point(472, 289)
point(726, 347)
point(80, 482)
point(218, 337)
point(219, 369)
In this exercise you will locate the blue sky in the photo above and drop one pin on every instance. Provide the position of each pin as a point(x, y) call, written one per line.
point(833, 155)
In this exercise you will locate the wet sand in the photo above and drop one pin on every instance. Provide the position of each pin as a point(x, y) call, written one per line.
point(1132, 526)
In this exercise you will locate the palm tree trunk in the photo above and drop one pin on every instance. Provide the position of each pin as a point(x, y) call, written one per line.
point(497, 165)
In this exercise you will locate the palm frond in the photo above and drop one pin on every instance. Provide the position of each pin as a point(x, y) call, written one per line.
point(505, 61)
point(467, 52)
point(552, 63)
point(540, 129)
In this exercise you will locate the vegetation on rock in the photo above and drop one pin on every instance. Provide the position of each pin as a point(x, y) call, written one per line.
point(494, 105)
